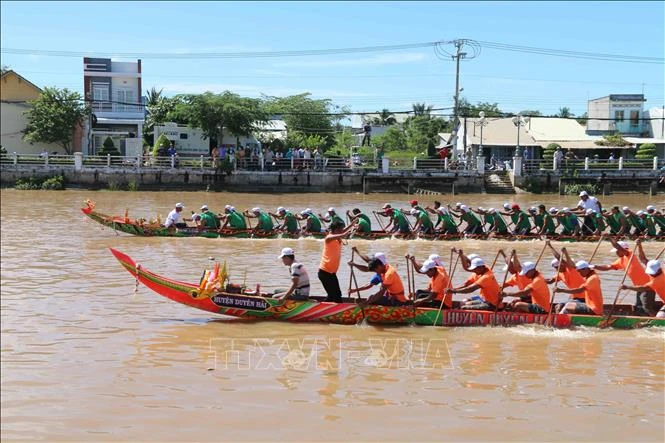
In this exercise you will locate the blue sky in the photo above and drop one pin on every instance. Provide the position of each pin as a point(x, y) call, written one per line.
point(364, 82)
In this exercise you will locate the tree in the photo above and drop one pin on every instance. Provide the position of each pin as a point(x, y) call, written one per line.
point(529, 113)
point(564, 113)
point(385, 118)
point(53, 116)
point(394, 139)
point(108, 147)
point(159, 109)
point(615, 140)
point(647, 151)
point(466, 109)
point(163, 143)
point(422, 132)
point(582, 119)
point(154, 96)
point(343, 140)
point(421, 109)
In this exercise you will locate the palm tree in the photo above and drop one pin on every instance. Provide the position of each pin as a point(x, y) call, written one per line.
point(385, 118)
point(154, 96)
point(420, 109)
point(564, 113)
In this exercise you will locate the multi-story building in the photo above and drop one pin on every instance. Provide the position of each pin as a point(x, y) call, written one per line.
point(617, 113)
point(113, 91)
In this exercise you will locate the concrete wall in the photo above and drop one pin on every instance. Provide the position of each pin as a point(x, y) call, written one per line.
point(12, 123)
point(599, 108)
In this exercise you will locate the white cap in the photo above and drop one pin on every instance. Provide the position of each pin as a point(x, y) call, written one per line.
point(652, 267)
point(256, 210)
point(640, 212)
point(331, 209)
point(308, 211)
point(623, 245)
point(476, 262)
point(553, 210)
point(386, 206)
point(443, 209)
point(458, 204)
point(555, 263)
point(506, 206)
point(532, 209)
point(590, 211)
point(179, 205)
point(428, 265)
point(380, 256)
point(464, 208)
point(583, 264)
point(491, 210)
point(281, 209)
point(584, 194)
point(436, 259)
point(625, 208)
point(204, 207)
point(414, 211)
point(566, 209)
point(228, 207)
point(232, 209)
point(480, 208)
point(527, 266)
point(472, 256)
point(287, 251)
point(650, 208)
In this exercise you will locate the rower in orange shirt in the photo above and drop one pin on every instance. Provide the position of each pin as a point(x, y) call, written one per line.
point(484, 281)
point(391, 292)
point(656, 283)
point(536, 291)
point(438, 283)
point(593, 294)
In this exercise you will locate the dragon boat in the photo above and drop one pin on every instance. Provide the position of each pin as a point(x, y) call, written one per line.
point(234, 303)
point(144, 228)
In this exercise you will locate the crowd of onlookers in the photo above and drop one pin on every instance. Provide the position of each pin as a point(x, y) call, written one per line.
point(251, 157)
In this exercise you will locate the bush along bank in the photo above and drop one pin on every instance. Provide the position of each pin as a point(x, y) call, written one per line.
point(56, 183)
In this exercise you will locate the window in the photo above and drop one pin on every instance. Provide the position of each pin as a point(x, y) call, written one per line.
point(124, 98)
point(634, 118)
point(183, 136)
point(100, 94)
point(618, 116)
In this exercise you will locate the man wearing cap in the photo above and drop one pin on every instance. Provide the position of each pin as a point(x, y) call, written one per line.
point(594, 223)
point(654, 270)
point(497, 223)
point(232, 219)
point(644, 299)
point(330, 259)
point(376, 280)
point(391, 292)
point(588, 202)
point(483, 281)
point(173, 219)
point(331, 217)
point(569, 222)
point(209, 219)
point(658, 218)
point(473, 225)
point(593, 294)
point(548, 227)
point(313, 224)
point(435, 294)
point(290, 223)
point(423, 222)
point(536, 291)
point(299, 289)
point(265, 224)
point(648, 222)
point(448, 225)
point(520, 220)
point(616, 221)
point(364, 223)
point(398, 222)
point(633, 220)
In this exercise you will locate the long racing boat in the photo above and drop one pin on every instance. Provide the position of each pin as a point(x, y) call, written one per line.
point(234, 303)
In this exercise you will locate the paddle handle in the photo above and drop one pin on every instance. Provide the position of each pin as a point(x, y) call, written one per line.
point(541, 254)
point(616, 298)
point(379, 221)
point(556, 285)
point(596, 250)
point(660, 253)
point(450, 282)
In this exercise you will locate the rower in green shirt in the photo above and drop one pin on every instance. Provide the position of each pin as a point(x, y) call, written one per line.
point(473, 224)
point(520, 220)
point(538, 218)
point(232, 219)
point(209, 219)
point(611, 222)
point(621, 223)
point(648, 222)
point(398, 221)
point(633, 220)
point(313, 224)
point(448, 225)
point(597, 221)
point(364, 223)
point(332, 217)
point(265, 224)
point(290, 223)
point(548, 226)
point(498, 223)
point(423, 222)
point(658, 218)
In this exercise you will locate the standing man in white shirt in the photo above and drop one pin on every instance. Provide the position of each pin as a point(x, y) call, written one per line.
point(587, 202)
point(173, 220)
point(299, 289)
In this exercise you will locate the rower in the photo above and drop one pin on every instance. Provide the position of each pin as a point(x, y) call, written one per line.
point(391, 292)
point(456, 212)
point(423, 222)
point(398, 221)
point(536, 292)
point(473, 225)
point(484, 217)
point(331, 216)
point(633, 221)
point(569, 222)
point(265, 224)
point(548, 227)
point(656, 283)
point(299, 289)
point(648, 222)
point(448, 225)
point(567, 272)
point(364, 223)
point(658, 217)
point(593, 294)
point(290, 223)
point(208, 219)
point(616, 221)
point(233, 219)
point(330, 259)
point(643, 300)
point(435, 296)
point(520, 220)
point(313, 224)
point(484, 281)
point(376, 280)
point(594, 221)
point(537, 217)
point(517, 278)
point(498, 223)
point(414, 205)
point(173, 219)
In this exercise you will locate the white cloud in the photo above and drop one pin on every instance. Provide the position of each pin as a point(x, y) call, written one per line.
point(374, 60)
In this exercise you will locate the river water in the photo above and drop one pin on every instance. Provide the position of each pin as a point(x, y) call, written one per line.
point(86, 358)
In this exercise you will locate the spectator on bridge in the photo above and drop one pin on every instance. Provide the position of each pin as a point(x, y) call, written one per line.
point(318, 157)
point(367, 134)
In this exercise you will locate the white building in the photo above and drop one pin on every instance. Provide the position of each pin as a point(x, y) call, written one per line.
point(113, 91)
point(617, 113)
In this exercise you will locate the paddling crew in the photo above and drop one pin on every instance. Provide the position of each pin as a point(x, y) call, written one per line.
point(593, 294)
point(435, 295)
point(290, 223)
point(264, 224)
point(548, 227)
point(299, 289)
point(233, 220)
point(656, 283)
point(173, 219)
point(330, 259)
point(423, 222)
point(391, 292)
point(520, 220)
point(484, 281)
point(448, 225)
point(644, 300)
point(473, 225)
point(364, 223)
point(313, 224)
point(536, 291)
point(208, 219)
point(331, 217)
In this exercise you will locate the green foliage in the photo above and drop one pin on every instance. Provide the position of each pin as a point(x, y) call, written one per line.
point(56, 183)
point(564, 113)
point(582, 119)
point(577, 188)
point(133, 185)
point(162, 142)
point(343, 140)
point(531, 113)
point(52, 117)
point(548, 155)
point(159, 109)
point(646, 151)
point(422, 133)
point(108, 147)
point(113, 186)
point(421, 109)
point(385, 118)
point(394, 139)
point(615, 139)
point(225, 166)
point(466, 109)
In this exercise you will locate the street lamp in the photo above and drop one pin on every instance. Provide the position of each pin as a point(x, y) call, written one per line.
point(482, 123)
point(518, 121)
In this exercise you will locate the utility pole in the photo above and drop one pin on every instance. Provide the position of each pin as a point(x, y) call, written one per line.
point(459, 44)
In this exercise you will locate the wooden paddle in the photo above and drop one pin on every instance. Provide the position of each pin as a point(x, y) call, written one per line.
point(548, 320)
point(495, 259)
point(660, 253)
point(353, 256)
point(602, 237)
point(408, 276)
point(450, 282)
point(541, 254)
point(606, 321)
point(379, 221)
point(505, 277)
point(353, 277)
